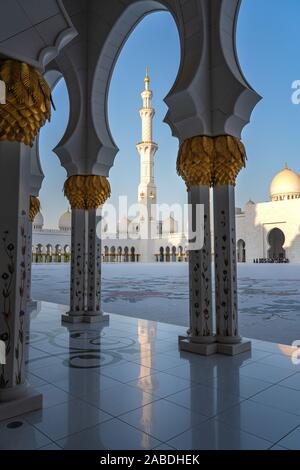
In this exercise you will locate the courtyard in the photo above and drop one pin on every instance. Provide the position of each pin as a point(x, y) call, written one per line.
point(269, 295)
point(123, 385)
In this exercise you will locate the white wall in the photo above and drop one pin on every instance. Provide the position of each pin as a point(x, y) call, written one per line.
point(257, 222)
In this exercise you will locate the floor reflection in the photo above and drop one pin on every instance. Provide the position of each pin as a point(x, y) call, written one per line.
point(125, 385)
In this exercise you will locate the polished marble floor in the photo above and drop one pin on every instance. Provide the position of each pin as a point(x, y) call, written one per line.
point(269, 294)
point(124, 385)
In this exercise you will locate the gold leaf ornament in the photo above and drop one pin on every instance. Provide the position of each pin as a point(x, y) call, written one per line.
point(28, 102)
point(211, 161)
point(34, 207)
point(194, 161)
point(87, 191)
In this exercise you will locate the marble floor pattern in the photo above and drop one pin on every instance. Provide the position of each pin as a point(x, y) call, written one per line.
point(269, 294)
point(124, 385)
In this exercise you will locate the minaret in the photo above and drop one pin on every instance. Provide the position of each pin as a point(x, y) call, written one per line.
point(147, 149)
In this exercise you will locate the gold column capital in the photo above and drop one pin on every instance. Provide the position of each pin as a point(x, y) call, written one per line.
point(211, 161)
point(34, 207)
point(87, 191)
point(28, 102)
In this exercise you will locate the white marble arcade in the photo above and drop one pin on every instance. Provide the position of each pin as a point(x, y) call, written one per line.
point(125, 385)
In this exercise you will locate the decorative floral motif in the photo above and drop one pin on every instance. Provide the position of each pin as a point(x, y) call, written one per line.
point(78, 273)
point(200, 287)
point(6, 299)
point(85, 266)
point(29, 260)
point(13, 306)
point(19, 348)
point(94, 265)
point(225, 271)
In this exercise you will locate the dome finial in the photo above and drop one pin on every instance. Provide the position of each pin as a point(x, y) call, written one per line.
point(147, 79)
point(286, 166)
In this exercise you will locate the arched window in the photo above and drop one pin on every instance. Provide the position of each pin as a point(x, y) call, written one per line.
point(113, 254)
point(106, 254)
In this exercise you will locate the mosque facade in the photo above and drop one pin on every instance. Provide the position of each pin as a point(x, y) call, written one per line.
point(266, 232)
point(270, 231)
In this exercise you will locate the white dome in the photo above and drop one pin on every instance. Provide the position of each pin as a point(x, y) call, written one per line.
point(285, 185)
point(38, 222)
point(65, 221)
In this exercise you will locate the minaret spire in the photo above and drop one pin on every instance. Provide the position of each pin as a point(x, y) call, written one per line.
point(147, 150)
point(147, 79)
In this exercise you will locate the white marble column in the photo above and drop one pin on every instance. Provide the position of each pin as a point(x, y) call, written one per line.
point(16, 397)
point(29, 261)
point(229, 340)
point(78, 266)
point(85, 294)
point(201, 338)
point(94, 269)
point(93, 265)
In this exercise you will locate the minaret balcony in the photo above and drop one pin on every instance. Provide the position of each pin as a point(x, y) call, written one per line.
point(145, 142)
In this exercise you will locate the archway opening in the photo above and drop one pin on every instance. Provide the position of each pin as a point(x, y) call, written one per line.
point(276, 240)
point(53, 202)
point(145, 173)
point(241, 251)
point(48, 170)
point(153, 45)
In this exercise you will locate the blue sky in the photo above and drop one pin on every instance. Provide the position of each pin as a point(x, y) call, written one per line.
point(267, 43)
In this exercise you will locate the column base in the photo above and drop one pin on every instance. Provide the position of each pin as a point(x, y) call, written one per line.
point(205, 348)
point(31, 401)
point(84, 317)
point(233, 349)
point(34, 307)
point(208, 348)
